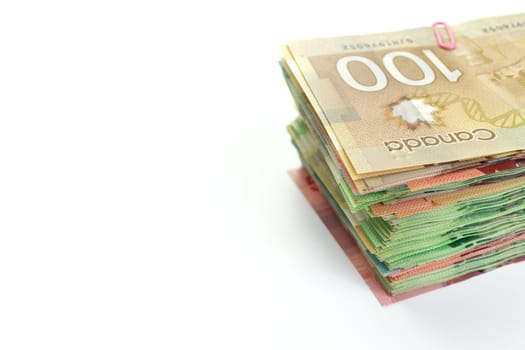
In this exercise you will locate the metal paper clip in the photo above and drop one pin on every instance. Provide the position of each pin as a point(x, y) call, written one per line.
point(451, 45)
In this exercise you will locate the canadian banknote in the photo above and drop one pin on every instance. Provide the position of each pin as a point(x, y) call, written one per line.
point(407, 283)
point(396, 102)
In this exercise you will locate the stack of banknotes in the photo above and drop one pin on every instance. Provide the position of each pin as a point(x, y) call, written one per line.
point(417, 140)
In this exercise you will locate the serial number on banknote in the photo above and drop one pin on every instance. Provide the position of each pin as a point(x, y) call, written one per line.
point(378, 44)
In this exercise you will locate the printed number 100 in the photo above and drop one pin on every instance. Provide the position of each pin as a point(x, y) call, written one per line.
point(389, 63)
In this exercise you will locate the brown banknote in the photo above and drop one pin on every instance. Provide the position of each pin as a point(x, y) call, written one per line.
point(431, 176)
point(395, 101)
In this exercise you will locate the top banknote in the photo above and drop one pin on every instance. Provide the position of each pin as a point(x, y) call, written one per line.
point(393, 101)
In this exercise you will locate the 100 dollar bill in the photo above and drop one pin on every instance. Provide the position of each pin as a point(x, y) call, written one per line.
point(397, 100)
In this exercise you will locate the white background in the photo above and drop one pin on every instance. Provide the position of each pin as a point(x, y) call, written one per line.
point(144, 199)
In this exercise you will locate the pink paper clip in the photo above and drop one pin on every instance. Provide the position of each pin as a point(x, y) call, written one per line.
point(451, 45)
